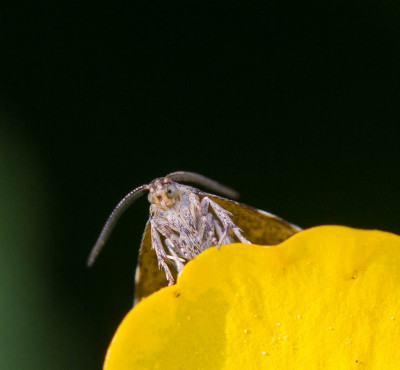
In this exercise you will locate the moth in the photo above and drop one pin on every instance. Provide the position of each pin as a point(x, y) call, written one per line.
point(184, 221)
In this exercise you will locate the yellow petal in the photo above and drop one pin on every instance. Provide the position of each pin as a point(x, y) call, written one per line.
point(328, 297)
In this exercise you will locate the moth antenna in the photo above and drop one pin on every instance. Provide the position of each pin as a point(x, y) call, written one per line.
point(112, 220)
point(204, 181)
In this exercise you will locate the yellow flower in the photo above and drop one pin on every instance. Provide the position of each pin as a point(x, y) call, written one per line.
point(328, 297)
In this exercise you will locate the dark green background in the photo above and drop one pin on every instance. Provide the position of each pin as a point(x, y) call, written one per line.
point(294, 104)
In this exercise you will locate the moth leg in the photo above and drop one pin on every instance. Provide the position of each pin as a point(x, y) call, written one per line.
point(180, 243)
point(238, 233)
point(190, 228)
point(207, 221)
point(213, 232)
point(199, 222)
point(160, 253)
point(222, 235)
point(178, 261)
point(186, 214)
point(175, 252)
point(226, 221)
point(202, 238)
point(195, 209)
point(165, 228)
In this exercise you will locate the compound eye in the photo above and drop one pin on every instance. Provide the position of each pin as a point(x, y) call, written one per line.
point(171, 191)
point(150, 198)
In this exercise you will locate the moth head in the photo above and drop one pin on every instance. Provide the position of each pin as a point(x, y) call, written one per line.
point(163, 192)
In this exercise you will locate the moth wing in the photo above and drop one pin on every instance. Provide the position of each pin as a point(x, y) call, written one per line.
point(259, 227)
point(148, 277)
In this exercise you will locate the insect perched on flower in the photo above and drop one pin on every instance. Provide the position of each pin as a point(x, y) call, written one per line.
point(185, 221)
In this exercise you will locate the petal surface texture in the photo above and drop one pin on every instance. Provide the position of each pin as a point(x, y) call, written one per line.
point(328, 297)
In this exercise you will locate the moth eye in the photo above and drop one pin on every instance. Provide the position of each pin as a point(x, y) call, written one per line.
point(171, 191)
point(150, 198)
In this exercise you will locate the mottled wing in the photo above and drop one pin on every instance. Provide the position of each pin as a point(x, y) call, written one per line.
point(259, 227)
point(148, 277)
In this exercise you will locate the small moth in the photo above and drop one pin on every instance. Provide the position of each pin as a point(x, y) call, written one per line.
point(185, 221)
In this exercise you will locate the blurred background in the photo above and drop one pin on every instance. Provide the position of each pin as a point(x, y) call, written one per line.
point(294, 104)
